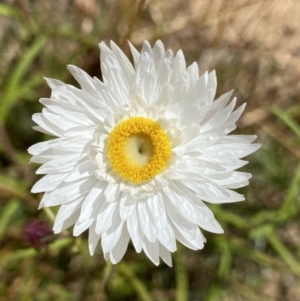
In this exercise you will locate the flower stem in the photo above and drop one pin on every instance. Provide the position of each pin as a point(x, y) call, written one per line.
point(138, 285)
point(49, 213)
point(106, 273)
point(181, 275)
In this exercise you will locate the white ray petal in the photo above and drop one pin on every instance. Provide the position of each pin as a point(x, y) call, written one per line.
point(165, 255)
point(127, 206)
point(93, 239)
point(135, 232)
point(146, 224)
point(105, 217)
point(111, 236)
point(151, 249)
point(117, 253)
point(48, 182)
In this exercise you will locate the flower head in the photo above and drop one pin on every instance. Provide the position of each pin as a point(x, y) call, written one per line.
point(138, 154)
point(37, 233)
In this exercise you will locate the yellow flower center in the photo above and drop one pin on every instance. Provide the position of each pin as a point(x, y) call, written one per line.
point(138, 149)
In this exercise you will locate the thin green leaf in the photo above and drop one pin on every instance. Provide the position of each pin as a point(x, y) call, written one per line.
point(227, 217)
point(289, 207)
point(284, 253)
point(31, 252)
point(136, 283)
point(225, 257)
point(10, 11)
point(287, 119)
point(7, 214)
point(16, 77)
point(214, 293)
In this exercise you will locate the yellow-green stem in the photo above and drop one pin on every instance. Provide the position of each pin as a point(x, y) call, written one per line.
point(138, 285)
point(181, 275)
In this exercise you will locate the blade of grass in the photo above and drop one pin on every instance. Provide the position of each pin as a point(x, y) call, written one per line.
point(287, 119)
point(243, 250)
point(10, 11)
point(289, 205)
point(243, 290)
point(18, 73)
point(7, 214)
point(10, 188)
point(284, 253)
point(228, 217)
point(214, 293)
point(138, 285)
point(27, 285)
point(225, 257)
point(31, 252)
point(26, 90)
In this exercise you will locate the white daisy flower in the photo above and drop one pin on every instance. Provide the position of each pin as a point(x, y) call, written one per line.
point(137, 155)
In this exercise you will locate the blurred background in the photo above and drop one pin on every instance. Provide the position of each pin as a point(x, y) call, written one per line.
point(254, 46)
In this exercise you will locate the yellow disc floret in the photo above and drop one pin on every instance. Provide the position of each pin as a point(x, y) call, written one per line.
point(138, 149)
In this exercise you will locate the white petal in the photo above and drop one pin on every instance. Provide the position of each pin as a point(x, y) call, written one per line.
point(216, 106)
point(80, 227)
point(67, 192)
point(235, 115)
point(112, 235)
point(227, 163)
point(40, 119)
point(81, 170)
point(105, 217)
point(195, 244)
point(61, 122)
point(125, 64)
point(113, 76)
point(67, 215)
point(70, 144)
point(85, 81)
point(232, 150)
point(146, 224)
point(220, 117)
point(127, 206)
point(93, 239)
point(193, 72)
point(135, 232)
point(111, 192)
point(165, 255)
point(193, 208)
point(48, 182)
point(117, 253)
point(209, 191)
point(135, 54)
point(151, 249)
point(52, 83)
point(233, 179)
point(158, 53)
point(202, 141)
point(241, 139)
point(62, 164)
point(92, 202)
point(158, 216)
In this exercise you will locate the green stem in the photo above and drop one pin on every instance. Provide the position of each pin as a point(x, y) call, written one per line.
point(106, 274)
point(285, 254)
point(138, 285)
point(181, 275)
point(31, 252)
point(49, 213)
